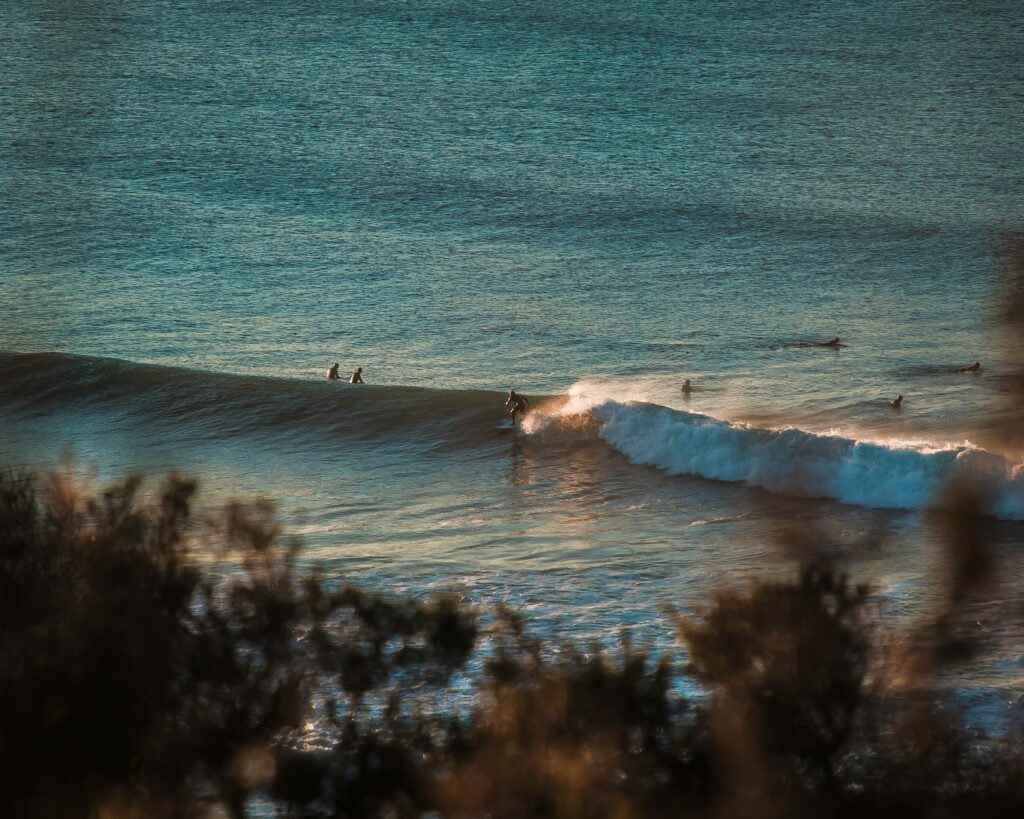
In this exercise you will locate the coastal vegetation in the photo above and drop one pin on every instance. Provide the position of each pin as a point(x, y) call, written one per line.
point(160, 662)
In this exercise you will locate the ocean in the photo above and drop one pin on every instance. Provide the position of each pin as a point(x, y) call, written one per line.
point(205, 205)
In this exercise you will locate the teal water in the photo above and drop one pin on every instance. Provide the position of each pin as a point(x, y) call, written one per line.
point(595, 200)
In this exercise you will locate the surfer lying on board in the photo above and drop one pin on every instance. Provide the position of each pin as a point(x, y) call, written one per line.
point(357, 377)
point(833, 343)
point(974, 368)
point(332, 374)
point(516, 404)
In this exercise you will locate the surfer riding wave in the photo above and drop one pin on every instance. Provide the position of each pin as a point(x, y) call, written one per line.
point(516, 404)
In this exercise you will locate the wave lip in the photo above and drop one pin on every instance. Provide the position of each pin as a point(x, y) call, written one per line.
point(796, 462)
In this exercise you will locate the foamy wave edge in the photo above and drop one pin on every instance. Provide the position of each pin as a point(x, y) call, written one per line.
point(796, 462)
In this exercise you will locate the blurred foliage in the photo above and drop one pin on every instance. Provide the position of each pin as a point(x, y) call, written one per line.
point(133, 681)
point(153, 664)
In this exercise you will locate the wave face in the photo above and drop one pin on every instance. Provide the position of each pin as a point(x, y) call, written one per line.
point(795, 462)
point(791, 461)
point(215, 405)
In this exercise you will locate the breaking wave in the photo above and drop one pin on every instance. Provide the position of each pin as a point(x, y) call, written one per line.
point(793, 461)
point(789, 461)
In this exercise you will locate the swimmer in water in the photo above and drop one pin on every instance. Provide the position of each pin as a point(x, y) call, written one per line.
point(974, 368)
point(686, 388)
point(833, 343)
point(357, 377)
point(332, 374)
point(897, 403)
point(516, 404)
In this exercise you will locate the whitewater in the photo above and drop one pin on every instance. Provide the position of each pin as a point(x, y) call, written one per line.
point(792, 461)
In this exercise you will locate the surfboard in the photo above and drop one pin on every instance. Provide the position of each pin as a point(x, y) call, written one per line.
point(506, 425)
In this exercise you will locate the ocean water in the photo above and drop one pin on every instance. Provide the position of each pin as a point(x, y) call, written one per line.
point(204, 205)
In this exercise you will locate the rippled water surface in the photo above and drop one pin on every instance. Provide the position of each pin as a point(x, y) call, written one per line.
point(593, 200)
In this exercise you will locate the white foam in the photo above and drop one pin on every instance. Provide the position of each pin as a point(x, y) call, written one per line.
point(791, 461)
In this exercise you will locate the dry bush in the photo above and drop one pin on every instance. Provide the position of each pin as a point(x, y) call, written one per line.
point(580, 735)
point(785, 663)
point(136, 680)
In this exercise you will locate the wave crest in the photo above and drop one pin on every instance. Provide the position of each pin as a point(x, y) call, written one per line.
point(793, 461)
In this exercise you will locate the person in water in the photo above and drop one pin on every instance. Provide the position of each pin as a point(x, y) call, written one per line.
point(332, 374)
point(974, 368)
point(516, 404)
point(833, 343)
point(686, 388)
point(357, 377)
point(897, 403)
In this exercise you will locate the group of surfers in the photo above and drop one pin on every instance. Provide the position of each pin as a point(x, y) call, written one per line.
point(355, 378)
point(515, 404)
point(835, 344)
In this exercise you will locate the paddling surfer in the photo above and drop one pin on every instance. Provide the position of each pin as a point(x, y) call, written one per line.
point(974, 368)
point(516, 404)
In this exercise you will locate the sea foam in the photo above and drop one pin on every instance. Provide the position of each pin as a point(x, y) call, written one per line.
point(792, 461)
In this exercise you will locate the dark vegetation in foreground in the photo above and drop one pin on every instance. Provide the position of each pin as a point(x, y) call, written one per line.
point(137, 680)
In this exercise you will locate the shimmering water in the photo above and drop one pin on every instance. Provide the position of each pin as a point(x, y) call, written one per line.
point(598, 199)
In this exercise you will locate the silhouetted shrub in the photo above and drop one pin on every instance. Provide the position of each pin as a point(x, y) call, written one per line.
point(153, 665)
point(129, 676)
point(785, 663)
point(580, 734)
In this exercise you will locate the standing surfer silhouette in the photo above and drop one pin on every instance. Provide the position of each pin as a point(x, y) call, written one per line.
point(516, 404)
